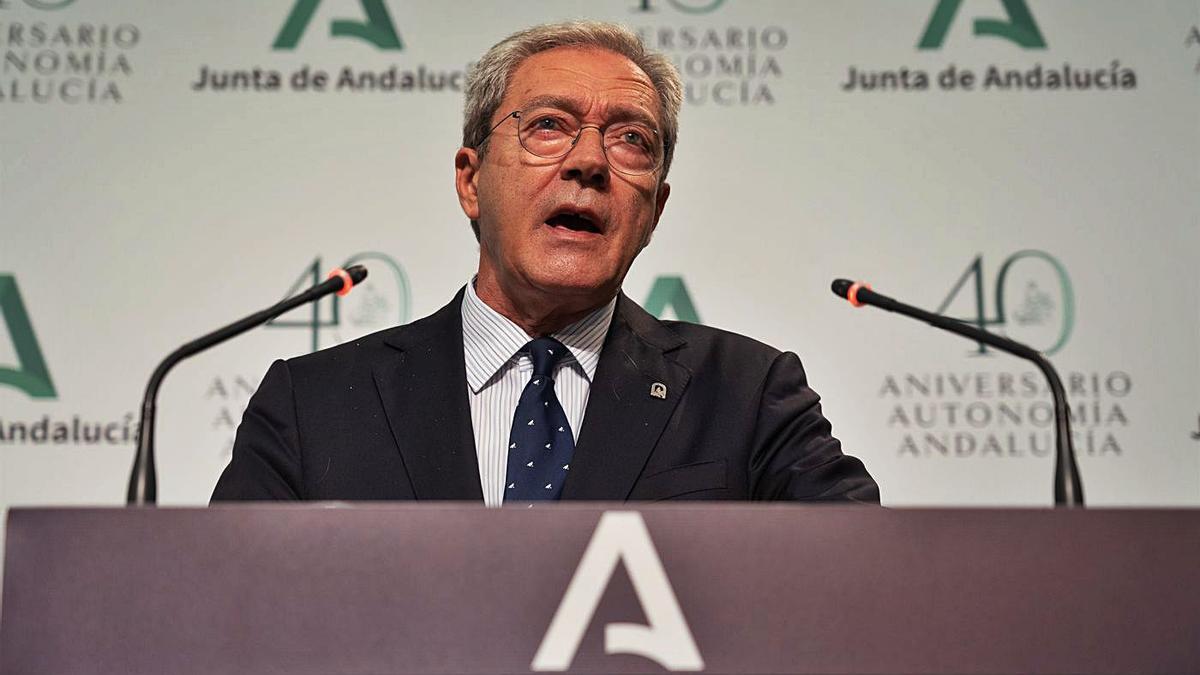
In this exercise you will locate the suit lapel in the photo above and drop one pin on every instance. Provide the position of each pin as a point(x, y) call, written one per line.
point(424, 396)
point(624, 421)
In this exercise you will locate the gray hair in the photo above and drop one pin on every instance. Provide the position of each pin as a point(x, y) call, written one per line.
point(488, 80)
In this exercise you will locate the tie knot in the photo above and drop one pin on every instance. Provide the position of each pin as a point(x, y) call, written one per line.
point(545, 352)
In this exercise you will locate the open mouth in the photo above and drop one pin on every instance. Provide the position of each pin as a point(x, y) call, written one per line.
point(576, 222)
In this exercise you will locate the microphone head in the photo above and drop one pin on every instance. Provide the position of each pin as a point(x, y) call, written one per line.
point(841, 288)
point(357, 273)
point(350, 278)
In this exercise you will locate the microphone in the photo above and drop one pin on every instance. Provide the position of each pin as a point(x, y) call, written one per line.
point(1068, 490)
point(143, 483)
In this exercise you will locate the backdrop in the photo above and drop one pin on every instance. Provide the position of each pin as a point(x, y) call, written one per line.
point(1029, 166)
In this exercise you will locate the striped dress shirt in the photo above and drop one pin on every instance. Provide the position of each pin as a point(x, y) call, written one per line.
point(497, 372)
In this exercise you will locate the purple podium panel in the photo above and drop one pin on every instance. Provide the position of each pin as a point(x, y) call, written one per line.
point(596, 588)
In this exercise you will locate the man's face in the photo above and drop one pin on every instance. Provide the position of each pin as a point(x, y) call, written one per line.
point(566, 228)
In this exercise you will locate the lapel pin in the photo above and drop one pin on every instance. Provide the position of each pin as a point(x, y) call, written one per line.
point(658, 390)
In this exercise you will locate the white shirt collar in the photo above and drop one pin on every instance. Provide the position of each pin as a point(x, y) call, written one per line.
point(491, 340)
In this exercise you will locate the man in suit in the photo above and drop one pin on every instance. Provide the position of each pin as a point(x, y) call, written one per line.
point(541, 380)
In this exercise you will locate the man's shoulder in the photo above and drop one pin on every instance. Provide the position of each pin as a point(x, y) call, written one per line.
point(696, 343)
point(380, 345)
point(709, 336)
point(352, 350)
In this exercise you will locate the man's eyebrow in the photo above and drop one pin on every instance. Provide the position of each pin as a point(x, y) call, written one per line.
point(552, 101)
point(618, 112)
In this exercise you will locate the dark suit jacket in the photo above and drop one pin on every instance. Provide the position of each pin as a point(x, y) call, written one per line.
point(387, 417)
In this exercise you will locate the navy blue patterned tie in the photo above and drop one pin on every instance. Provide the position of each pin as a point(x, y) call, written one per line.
point(540, 444)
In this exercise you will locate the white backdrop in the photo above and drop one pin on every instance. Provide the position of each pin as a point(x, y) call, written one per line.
point(139, 210)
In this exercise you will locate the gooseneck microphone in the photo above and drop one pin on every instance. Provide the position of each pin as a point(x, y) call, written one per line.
point(1068, 490)
point(143, 483)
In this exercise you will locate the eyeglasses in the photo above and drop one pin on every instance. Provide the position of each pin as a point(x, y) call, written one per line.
point(631, 148)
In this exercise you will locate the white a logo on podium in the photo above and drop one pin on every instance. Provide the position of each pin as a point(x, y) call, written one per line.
point(621, 536)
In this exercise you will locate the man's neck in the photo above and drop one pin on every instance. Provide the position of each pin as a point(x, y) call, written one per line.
point(536, 313)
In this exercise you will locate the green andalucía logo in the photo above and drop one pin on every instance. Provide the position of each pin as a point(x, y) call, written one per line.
point(1020, 28)
point(670, 292)
point(48, 4)
point(686, 6)
point(378, 29)
point(31, 375)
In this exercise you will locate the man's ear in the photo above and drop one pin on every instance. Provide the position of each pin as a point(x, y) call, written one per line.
point(466, 179)
point(664, 191)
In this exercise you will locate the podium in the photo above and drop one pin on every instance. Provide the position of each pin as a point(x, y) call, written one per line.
point(448, 588)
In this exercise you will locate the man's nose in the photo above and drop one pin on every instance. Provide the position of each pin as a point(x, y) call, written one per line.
point(585, 161)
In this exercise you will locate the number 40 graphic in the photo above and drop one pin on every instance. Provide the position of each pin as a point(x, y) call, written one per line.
point(380, 264)
point(1037, 303)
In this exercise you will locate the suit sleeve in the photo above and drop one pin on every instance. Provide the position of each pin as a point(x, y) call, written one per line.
point(795, 455)
point(266, 452)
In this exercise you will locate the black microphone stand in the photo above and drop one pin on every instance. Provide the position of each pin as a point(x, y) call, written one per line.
point(143, 482)
point(1068, 489)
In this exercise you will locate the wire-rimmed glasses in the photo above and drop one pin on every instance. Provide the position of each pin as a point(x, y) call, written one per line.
point(631, 147)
